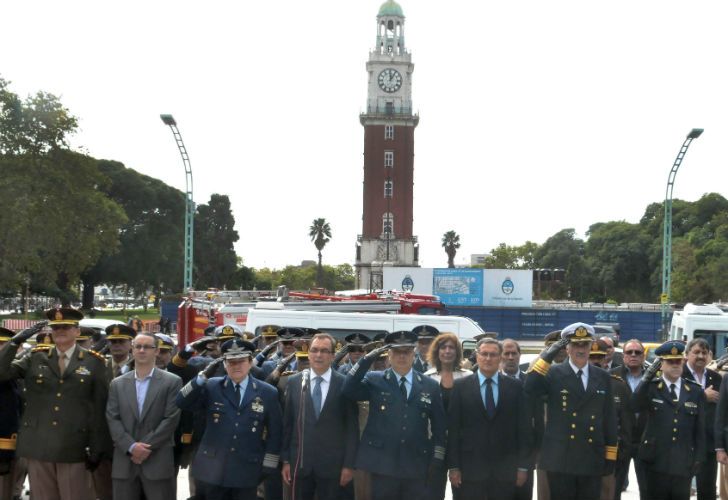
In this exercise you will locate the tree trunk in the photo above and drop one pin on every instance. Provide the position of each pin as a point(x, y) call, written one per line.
point(87, 295)
point(319, 270)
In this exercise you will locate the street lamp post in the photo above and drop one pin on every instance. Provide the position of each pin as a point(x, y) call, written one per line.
point(189, 202)
point(667, 233)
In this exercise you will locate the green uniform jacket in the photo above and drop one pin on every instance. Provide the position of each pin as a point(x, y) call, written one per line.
point(63, 415)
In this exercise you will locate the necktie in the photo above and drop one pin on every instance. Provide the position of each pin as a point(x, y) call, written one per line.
point(673, 393)
point(237, 393)
point(489, 399)
point(62, 362)
point(403, 387)
point(316, 396)
point(579, 375)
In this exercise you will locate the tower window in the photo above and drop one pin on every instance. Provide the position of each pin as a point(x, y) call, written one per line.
point(388, 186)
point(389, 132)
point(389, 159)
point(387, 226)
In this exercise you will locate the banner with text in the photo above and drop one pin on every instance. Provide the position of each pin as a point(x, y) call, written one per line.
point(458, 287)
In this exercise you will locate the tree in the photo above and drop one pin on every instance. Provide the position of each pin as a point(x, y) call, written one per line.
point(451, 243)
point(320, 234)
point(215, 260)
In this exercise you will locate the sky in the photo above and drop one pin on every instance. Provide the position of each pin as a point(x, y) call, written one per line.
point(534, 116)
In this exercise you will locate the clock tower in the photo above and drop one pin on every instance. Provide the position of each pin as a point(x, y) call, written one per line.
point(389, 126)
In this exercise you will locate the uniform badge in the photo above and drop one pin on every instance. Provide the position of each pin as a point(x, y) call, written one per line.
point(690, 404)
point(425, 398)
point(655, 400)
point(82, 370)
point(257, 406)
point(216, 417)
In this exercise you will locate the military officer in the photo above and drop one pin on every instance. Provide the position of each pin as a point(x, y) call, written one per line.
point(404, 438)
point(9, 415)
point(580, 440)
point(425, 335)
point(119, 339)
point(355, 350)
point(286, 347)
point(673, 443)
point(242, 438)
point(85, 338)
point(223, 333)
point(62, 430)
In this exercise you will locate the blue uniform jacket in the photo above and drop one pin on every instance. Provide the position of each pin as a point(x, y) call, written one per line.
point(238, 441)
point(401, 437)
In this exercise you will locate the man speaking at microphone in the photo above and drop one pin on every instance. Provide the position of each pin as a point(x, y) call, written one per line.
point(320, 431)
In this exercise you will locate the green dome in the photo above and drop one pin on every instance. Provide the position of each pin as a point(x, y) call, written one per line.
point(390, 8)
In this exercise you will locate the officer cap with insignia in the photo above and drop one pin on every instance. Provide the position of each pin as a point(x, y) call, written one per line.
point(63, 316)
point(165, 341)
point(237, 348)
point(598, 348)
point(120, 332)
point(269, 331)
point(308, 333)
point(425, 332)
point(86, 333)
point(672, 349)
point(6, 334)
point(226, 332)
point(578, 332)
point(551, 337)
point(290, 334)
point(356, 341)
point(401, 338)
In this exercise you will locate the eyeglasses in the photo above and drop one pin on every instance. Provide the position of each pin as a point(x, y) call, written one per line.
point(144, 347)
point(320, 351)
point(634, 353)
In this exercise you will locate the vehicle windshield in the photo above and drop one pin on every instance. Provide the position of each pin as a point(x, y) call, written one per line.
point(718, 340)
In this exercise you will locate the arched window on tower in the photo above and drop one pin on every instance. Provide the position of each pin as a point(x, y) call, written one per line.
point(387, 226)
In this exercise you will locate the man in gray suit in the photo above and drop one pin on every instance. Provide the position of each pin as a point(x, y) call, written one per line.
point(142, 417)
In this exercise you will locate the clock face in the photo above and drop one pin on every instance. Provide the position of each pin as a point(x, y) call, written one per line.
point(390, 80)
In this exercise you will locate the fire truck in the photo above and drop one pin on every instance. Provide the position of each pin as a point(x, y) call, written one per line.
point(201, 309)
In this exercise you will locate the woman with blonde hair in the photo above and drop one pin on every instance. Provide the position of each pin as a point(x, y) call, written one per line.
point(445, 356)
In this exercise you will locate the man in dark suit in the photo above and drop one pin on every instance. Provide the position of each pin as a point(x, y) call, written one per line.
point(489, 430)
point(404, 438)
point(320, 430)
point(142, 417)
point(673, 444)
point(698, 355)
point(614, 358)
point(580, 441)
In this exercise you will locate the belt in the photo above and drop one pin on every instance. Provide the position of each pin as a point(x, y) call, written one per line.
point(8, 443)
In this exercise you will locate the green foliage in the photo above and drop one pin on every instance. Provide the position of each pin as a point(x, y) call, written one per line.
point(512, 257)
point(334, 278)
point(215, 234)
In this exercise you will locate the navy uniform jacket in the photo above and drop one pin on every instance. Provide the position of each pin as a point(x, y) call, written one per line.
point(581, 425)
point(238, 441)
point(401, 437)
point(329, 442)
point(625, 417)
point(674, 438)
point(712, 378)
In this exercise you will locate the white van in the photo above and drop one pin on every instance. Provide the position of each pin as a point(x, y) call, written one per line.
point(697, 320)
point(370, 324)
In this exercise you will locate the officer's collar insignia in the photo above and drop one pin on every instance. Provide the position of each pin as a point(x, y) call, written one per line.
point(687, 387)
point(673, 351)
point(59, 315)
point(386, 375)
point(419, 379)
point(255, 386)
point(581, 332)
point(659, 386)
point(82, 371)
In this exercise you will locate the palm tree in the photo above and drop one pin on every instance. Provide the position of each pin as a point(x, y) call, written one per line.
point(451, 243)
point(320, 233)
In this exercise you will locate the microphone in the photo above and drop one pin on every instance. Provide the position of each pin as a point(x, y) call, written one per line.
point(306, 376)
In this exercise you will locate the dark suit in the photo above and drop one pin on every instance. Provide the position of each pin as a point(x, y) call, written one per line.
point(402, 438)
point(317, 449)
point(154, 425)
point(581, 429)
point(708, 473)
point(488, 451)
point(674, 438)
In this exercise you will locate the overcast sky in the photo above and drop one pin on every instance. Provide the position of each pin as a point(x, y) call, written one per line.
point(534, 116)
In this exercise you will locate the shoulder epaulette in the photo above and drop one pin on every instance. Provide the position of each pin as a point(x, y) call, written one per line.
point(616, 377)
point(97, 355)
point(41, 348)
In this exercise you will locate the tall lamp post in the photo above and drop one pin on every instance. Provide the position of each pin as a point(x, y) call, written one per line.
point(667, 233)
point(189, 202)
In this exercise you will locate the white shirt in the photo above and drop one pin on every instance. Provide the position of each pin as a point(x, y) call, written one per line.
point(702, 381)
point(325, 383)
point(584, 373)
point(678, 384)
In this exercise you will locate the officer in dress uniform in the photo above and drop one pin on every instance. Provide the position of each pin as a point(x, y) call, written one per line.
point(119, 338)
point(62, 430)
point(286, 347)
point(242, 438)
point(673, 443)
point(580, 441)
point(425, 335)
point(404, 438)
point(9, 415)
point(355, 350)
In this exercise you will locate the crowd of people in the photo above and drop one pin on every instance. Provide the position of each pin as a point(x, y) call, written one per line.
point(294, 413)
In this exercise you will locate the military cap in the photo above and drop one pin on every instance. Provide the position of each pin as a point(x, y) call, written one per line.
point(425, 332)
point(86, 333)
point(120, 332)
point(165, 341)
point(63, 316)
point(672, 349)
point(290, 334)
point(578, 332)
point(269, 331)
point(310, 332)
point(489, 335)
point(6, 334)
point(248, 335)
point(402, 338)
point(598, 348)
point(379, 337)
point(237, 348)
point(357, 339)
point(42, 339)
point(551, 337)
point(226, 332)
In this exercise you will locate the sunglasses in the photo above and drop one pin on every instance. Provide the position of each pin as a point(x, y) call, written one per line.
point(634, 353)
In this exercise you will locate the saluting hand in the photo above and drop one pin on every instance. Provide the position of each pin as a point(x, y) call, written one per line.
point(652, 370)
point(377, 352)
point(210, 369)
point(550, 353)
point(20, 338)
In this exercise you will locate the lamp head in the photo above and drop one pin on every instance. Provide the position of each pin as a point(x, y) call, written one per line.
point(695, 133)
point(169, 120)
